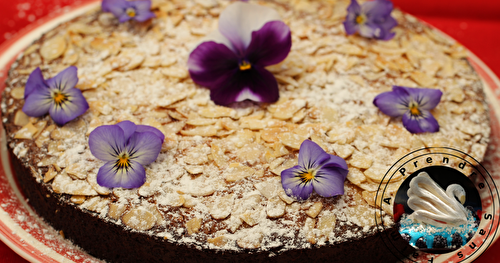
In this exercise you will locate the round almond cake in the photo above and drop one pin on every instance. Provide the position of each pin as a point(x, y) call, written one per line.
point(214, 193)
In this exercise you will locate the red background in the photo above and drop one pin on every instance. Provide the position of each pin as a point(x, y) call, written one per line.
point(475, 24)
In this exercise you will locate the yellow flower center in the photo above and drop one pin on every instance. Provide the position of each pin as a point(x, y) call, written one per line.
point(307, 176)
point(131, 12)
point(245, 65)
point(123, 161)
point(414, 110)
point(361, 19)
point(59, 98)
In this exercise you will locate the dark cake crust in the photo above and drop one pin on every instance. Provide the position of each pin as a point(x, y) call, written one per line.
point(115, 244)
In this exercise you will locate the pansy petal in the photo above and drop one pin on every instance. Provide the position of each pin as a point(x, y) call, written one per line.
point(68, 111)
point(386, 28)
point(292, 183)
point(370, 30)
point(107, 142)
point(211, 64)
point(376, 10)
point(131, 177)
point(311, 155)
point(336, 161)
point(35, 80)
point(146, 128)
point(64, 80)
point(144, 147)
point(108, 5)
point(353, 10)
point(218, 37)
point(256, 84)
point(38, 103)
point(418, 124)
point(270, 45)
point(123, 17)
point(143, 9)
point(239, 20)
point(427, 99)
point(329, 181)
point(128, 128)
point(393, 103)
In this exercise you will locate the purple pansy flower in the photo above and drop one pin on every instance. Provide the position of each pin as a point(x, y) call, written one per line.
point(372, 19)
point(232, 62)
point(126, 148)
point(139, 10)
point(56, 96)
point(413, 104)
point(318, 170)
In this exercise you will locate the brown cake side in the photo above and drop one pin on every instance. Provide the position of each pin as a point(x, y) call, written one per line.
point(333, 78)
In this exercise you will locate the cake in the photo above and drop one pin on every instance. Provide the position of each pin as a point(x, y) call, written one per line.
point(214, 192)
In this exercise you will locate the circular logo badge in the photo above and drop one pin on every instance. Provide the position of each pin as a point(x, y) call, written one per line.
point(443, 202)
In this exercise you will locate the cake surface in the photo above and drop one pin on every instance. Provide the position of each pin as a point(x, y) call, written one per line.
point(215, 188)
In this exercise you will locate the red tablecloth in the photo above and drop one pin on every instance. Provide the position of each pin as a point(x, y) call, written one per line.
point(475, 24)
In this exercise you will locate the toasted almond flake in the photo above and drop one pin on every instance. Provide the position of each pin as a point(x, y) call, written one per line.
point(221, 206)
point(196, 155)
point(291, 139)
point(17, 93)
point(217, 112)
point(194, 169)
point(269, 188)
point(326, 223)
point(355, 176)
point(53, 48)
point(139, 219)
point(250, 241)
point(251, 217)
point(360, 160)
point(78, 199)
point(309, 230)
point(275, 207)
point(175, 72)
point(218, 241)
point(193, 225)
point(77, 171)
point(237, 173)
point(201, 121)
point(26, 132)
point(116, 210)
point(286, 110)
point(111, 45)
point(21, 119)
point(49, 175)
point(271, 134)
point(350, 49)
point(205, 131)
point(343, 151)
point(314, 210)
point(423, 79)
point(287, 80)
point(62, 183)
point(377, 172)
point(174, 127)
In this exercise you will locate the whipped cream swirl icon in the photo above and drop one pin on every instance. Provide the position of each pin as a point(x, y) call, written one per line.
point(432, 205)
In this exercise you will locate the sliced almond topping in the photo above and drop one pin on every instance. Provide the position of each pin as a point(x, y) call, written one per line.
point(116, 210)
point(77, 171)
point(78, 199)
point(275, 207)
point(292, 140)
point(21, 119)
point(196, 155)
point(206, 131)
point(218, 241)
point(287, 199)
point(251, 241)
point(49, 175)
point(326, 223)
point(194, 169)
point(355, 176)
point(309, 230)
point(218, 155)
point(62, 183)
point(222, 206)
point(217, 112)
point(53, 48)
point(251, 217)
point(343, 151)
point(26, 132)
point(360, 160)
point(193, 225)
point(17, 93)
point(139, 219)
point(286, 110)
point(271, 134)
point(268, 188)
point(314, 210)
point(377, 172)
point(237, 173)
point(423, 79)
